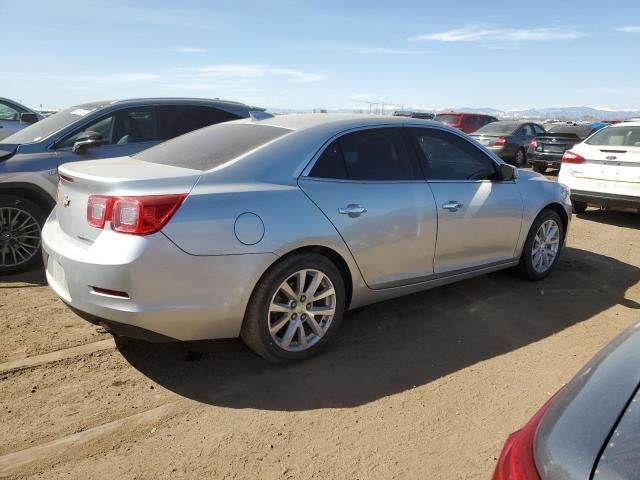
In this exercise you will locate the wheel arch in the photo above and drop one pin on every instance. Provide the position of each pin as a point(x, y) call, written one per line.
point(29, 191)
point(560, 210)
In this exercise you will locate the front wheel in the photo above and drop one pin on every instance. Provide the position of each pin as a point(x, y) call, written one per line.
point(579, 207)
point(295, 308)
point(520, 158)
point(542, 246)
point(21, 224)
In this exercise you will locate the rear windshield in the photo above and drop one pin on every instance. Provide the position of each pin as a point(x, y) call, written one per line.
point(210, 147)
point(582, 131)
point(52, 124)
point(497, 128)
point(618, 136)
point(447, 119)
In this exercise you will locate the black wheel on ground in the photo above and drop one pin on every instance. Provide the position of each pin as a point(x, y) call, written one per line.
point(579, 207)
point(520, 158)
point(539, 168)
point(295, 308)
point(21, 223)
point(542, 247)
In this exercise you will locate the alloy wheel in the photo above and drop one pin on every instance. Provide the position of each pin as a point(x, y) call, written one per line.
point(19, 236)
point(301, 310)
point(545, 246)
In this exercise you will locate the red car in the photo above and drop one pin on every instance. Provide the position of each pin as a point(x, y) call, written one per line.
point(467, 122)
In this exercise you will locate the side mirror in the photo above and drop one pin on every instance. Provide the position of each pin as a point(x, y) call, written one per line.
point(29, 118)
point(508, 172)
point(86, 140)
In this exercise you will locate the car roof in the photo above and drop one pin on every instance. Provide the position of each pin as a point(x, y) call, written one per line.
point(465, 113)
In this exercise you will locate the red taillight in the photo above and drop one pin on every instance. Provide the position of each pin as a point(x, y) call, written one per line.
point(98, 210)
point(133, 215)
point(533, 144)
point(570, 157)
point(501, 141)
point(516, 461)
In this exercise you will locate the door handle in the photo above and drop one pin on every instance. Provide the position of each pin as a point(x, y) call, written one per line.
point(452, 206)
point(353, 210)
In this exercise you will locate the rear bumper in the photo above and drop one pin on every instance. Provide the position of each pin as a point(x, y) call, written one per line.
point(551, 160)
point(169, 293)
point(605, 199)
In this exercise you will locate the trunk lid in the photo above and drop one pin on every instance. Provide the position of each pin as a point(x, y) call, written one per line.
point(611, 164)
point(123, 176)
point(556, 143)
point(487, 140)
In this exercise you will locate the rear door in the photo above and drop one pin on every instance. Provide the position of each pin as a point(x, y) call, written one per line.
point(369, 185)
point(479, 215)
point(124, 132)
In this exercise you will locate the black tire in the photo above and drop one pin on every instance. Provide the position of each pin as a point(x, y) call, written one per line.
point(525, 268)
point(255, 327)
point(539, 168)
point(19, 204)
point(520, 158)
point(579, 207)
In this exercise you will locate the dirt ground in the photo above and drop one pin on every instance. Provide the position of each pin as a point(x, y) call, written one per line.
point(426, 386)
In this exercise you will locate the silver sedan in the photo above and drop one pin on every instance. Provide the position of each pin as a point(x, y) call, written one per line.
point(271, 229)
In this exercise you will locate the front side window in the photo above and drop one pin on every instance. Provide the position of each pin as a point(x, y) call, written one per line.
point(446, 156)
point(377, 154)
point(133, 125)
point(9, 112)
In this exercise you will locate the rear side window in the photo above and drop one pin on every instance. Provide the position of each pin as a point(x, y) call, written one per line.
point(210, 147)
point(177, 120)
point(377, 154)
point(616, 137)
point(446, 156)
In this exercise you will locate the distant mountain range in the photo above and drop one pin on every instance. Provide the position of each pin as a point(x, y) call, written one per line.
point(561, 113)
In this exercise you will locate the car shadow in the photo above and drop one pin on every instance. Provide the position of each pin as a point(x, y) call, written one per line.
point(390, 347)
point(612, 217)
point(34, 277)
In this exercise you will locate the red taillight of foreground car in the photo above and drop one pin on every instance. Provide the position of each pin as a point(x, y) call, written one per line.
point(133, 215)
point(570, 157)
point(501, 141)
point(516, 461)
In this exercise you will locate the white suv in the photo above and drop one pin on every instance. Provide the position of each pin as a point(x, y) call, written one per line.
point(604, 170)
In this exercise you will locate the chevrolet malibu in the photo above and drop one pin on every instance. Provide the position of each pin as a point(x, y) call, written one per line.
point(271, 229)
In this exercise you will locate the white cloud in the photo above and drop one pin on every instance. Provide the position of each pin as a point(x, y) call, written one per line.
point(180, 49)
point(245, 71)
point(358, 49)
point(630, 29)
point(476, 33)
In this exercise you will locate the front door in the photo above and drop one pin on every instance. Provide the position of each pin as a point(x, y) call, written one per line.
point(369, 186)
point(479, 216)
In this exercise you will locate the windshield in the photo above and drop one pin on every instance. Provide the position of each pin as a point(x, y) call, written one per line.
point(54, 123)
point(497, 128)
point(618, 136)
point(447, 118)
point(210, 147)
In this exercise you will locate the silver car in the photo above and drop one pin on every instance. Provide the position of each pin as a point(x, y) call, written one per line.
point(270, 229)
point(29, 159)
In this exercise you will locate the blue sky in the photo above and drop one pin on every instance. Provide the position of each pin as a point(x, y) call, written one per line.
point(325, 54)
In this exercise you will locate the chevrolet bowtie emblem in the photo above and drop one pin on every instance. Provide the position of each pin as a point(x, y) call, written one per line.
point(66, 201)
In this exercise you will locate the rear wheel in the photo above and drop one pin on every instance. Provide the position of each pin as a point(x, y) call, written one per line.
point(520, 159)
point(294, 309)
point(21, 224)
point(579, 207)
point(542, 246)
point(539, 168)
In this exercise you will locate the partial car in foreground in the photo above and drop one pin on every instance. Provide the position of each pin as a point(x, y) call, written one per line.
point(509, 139)
point(15, 116)
point(271, 229)
point(546, 150)
point(604, 170)
point(590, 428)
point(29, 159)
point(465, 122)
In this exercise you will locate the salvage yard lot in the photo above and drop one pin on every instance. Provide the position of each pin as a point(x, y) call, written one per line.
point(424, 386)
